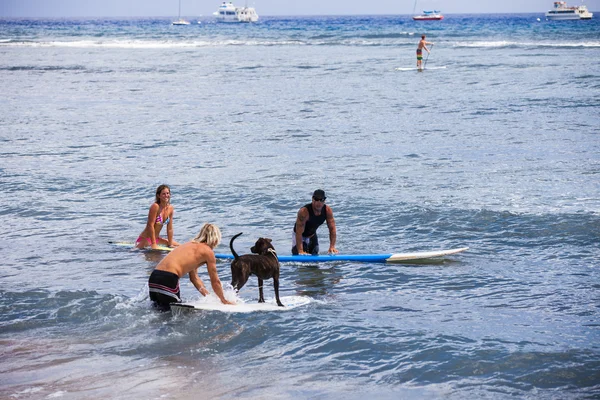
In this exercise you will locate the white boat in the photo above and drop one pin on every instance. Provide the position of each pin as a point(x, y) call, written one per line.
point(562, 12)
point(227, 12)
point(180, 21)
point(429, 16)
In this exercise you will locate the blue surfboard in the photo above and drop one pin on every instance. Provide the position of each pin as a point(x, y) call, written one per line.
point(367, 258)
point(323, 257)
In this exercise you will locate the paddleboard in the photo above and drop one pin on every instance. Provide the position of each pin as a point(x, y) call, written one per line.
point(213, 304)
point(369, 258)
point(131, 246)
point(419, 69)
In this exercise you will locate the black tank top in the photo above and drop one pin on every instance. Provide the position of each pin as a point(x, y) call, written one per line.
point(314, 221)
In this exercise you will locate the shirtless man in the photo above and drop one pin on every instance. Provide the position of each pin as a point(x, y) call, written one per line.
point(309, 218)
point(422, 45)
point(185, 259)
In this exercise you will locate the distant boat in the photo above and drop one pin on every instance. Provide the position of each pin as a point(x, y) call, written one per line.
point(180, 21)
point(227, 12)
point(562, 12)
point(429, 16)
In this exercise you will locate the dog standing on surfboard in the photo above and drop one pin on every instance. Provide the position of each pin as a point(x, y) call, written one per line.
point(263, 263)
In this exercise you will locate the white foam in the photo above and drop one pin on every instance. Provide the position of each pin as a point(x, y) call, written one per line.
point(148, 44)
point(504, 43)
point(171, 44)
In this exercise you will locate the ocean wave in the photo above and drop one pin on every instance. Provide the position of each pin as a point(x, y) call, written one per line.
point(358, 41)
point(388, 35)
point(149, 44)
point(43, 68)
point(508, 44)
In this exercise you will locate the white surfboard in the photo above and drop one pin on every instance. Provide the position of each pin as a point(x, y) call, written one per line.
point(131, 246)
point(418, 69)
point(422, 255)
point(213, 304)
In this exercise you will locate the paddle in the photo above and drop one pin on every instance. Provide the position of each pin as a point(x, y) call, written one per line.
point(427, 58)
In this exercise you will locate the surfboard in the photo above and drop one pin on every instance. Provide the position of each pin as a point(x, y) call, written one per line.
point(131, 246)
point(418, 69)
point(367, 258)
point(213, 304)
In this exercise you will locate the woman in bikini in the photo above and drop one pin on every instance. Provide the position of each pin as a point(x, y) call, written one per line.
point(160, 214)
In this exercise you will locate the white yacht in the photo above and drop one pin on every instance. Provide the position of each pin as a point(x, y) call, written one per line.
point(227, 12)
point(562, 12)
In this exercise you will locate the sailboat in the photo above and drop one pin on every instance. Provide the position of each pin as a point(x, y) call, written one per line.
point(427, 15)
point(180, 21)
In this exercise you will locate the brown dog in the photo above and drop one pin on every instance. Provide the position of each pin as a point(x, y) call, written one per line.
point(263, 263)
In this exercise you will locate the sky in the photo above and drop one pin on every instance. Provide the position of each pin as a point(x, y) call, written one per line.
point(197, 8)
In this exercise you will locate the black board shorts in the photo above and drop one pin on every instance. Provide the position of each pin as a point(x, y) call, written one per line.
point(164, 288)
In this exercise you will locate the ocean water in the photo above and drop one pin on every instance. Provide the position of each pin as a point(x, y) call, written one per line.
point(495, 146)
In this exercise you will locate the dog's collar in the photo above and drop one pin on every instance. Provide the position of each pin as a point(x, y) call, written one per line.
point(272, 251)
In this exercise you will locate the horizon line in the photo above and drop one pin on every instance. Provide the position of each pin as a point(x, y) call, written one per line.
point(269, 16)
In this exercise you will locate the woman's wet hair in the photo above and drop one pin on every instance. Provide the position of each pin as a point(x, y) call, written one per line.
point(159, 190)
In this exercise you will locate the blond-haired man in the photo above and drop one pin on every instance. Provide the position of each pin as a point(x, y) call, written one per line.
point(185, 259)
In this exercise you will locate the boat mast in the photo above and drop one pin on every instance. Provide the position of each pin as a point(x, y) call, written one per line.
point(415, 6)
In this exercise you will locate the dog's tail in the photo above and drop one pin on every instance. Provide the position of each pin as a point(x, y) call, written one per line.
point(235, 255)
